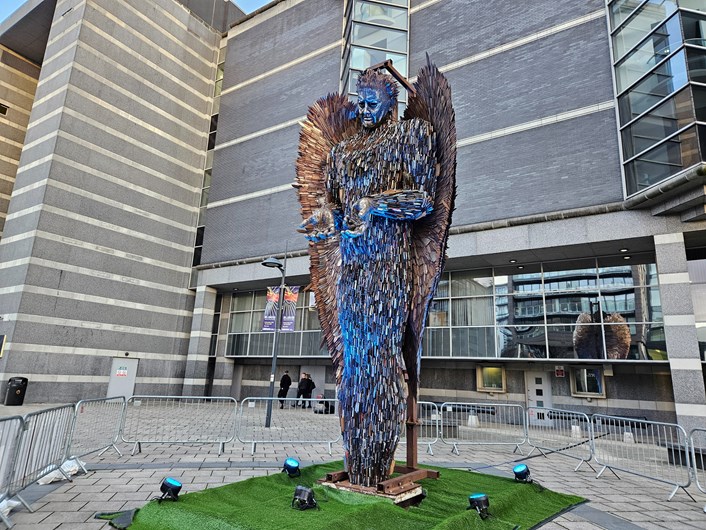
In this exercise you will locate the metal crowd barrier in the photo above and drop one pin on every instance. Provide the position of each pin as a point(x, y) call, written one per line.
point(429, 424)
point(179, 420)
point(697, 446)
point(96, 428)
point(11, 429)
point(560, 431)
point(649, 449)
point(42, 448)
point(289, 424)
point(483, 424)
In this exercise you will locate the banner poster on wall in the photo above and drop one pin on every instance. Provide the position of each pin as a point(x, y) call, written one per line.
point(289, 308)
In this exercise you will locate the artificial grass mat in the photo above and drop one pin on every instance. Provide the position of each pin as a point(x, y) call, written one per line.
point(264, 503)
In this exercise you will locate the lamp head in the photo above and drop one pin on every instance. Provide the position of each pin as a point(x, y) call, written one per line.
point(291, 467)
point(272, 263)
point(522, 473)
point(480, 503)
point(170, 489)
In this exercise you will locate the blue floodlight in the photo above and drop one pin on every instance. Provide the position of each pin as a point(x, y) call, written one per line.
point(522, 473)
point(170, 489)
point(480, 503)
point(291, 467)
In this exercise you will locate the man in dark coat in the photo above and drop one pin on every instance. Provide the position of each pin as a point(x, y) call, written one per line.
point(301, 389)
point(310, 386)
point(284, 385)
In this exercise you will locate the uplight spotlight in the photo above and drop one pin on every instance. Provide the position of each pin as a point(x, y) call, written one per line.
point(170, 489)
point(291, 467)
point(522, 473)
point(480, 503)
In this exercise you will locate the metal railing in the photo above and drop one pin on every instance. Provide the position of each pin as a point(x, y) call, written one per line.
point(179, 420)
point(560, 431)
point(11, 429)
point(42, 448)
point(96, 427)
point(429, 425)
point(289, 423)
point(697, 446)
point(649, 449)
point(483, 424)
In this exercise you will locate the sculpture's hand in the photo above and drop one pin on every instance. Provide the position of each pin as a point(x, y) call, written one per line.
point(357, 222)
point(321, 225)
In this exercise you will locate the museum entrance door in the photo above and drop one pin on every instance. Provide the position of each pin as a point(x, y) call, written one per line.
point(538, 390)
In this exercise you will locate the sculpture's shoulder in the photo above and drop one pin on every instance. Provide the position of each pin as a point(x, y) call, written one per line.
point(416, 125)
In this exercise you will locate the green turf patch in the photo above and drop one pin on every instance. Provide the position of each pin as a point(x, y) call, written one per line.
point(264, 503)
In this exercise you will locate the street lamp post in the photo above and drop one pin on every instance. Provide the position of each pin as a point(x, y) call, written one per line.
point(277, 264)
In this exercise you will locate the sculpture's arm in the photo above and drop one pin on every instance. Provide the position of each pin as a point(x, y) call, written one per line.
point(323, 224)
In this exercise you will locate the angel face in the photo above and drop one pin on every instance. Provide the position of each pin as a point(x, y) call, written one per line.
point(374, 106)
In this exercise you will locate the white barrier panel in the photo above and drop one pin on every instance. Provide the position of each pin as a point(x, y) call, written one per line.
point(97, 427)
point(697, 446)
point(42, 448)
point(10, 431)
point(654, 450)
point(429, 425)
point(289, 424)
point(560, 431)
point(179, 420)
point(483, 424)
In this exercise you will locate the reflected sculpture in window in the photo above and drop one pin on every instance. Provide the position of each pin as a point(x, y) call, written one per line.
point(588, 340)
point(376, 196)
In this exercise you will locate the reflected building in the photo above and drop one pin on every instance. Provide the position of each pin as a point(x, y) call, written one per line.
point(146, 164)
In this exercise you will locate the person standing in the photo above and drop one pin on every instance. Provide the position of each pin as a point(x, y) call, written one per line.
point(310, 386)
point(301, 389)
point(284, 385)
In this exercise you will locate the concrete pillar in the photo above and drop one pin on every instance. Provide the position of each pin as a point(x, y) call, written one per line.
point(197, 359)
point(680, 331)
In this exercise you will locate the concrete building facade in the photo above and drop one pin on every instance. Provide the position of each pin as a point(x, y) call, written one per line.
point(576, 258)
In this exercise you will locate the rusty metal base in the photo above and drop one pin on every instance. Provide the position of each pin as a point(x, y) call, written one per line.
point(401, 489)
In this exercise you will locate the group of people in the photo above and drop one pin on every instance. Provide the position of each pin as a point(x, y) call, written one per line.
point(304, 389)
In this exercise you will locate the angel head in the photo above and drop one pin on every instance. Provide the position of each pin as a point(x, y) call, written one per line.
point(377, 98)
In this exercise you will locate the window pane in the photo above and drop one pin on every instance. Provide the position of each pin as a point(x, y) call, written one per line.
point(473, 342)
point(663, 161)
point(438, 314)
point(584, 279)
point(491, 377)
point(657, 47)
point(701, 336)
point(696, 64)
point(583, 341)
point(522, 342)
point(288, 344)
point(471, 283)
point(588, 380)
point(310, 319)
point(261, 344)
point(442, 290)
point(239, 323)
point(311, 344)
point(566, 307)
point(696, 5)
point(378, 14)
point(620, 10)
point(472, 311)
point(377, 37)
point(674, 114)
point(519, 283)
point(257, 321)
point(362, 58)
point(641, 24)
point(526, 309)
point(260, 299)
point(666, 79)
point(241, 302)
point(237, 345)
point(437, 343)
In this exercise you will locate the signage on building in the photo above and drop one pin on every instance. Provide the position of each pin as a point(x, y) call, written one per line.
point(121, 371)
point(289, 308)
point(559, 371)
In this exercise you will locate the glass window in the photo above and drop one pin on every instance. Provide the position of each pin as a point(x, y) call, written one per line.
point(472, 311)
point(526, 342)
point(437, 342)
point(696, 63)
point(665, 40)
point(665, 160)
point(438, 314)
point(241, 302)
point(3, 109)
point(566, 307)
point(663, 81)
point(696, 5)
point(237, 344)
point(377, 37)
point(635, 29)
point(587, 382)
point(362, 58)
point(490, 379)
point(393, 17)
point(472, 283)
point(473, 342)
point(239, 322)
point(620, 10)
point(674, 114)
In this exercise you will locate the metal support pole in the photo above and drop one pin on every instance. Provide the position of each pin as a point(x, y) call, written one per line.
point(278, 325)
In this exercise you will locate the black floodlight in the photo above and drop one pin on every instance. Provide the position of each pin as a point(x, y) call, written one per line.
point(303, 498)
point(479, 502)
point(170, 489)
point(522, 473)
point(291, 467)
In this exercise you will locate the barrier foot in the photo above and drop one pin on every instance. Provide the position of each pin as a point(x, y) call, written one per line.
point(137, 447)
point(455, 450)
point(330, 448)
point(517, 448)
point(685, 491)
point(611, 470)
point(429, 450)
point(7, 521)
point(584, 462)
point(221, 448)
point(80, 464)
point(67, 477)
point(252, 449)
point(24, 503)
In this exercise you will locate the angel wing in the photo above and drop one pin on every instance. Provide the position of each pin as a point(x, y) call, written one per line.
point(328, 123)
point(431, 102)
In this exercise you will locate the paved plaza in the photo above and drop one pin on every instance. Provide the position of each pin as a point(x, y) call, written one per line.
point(117, 483)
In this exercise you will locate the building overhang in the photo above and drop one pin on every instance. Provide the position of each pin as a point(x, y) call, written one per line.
point(26, 31)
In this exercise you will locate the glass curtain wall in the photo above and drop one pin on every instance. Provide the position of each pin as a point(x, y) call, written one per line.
point(374, 31)
point(659, 57)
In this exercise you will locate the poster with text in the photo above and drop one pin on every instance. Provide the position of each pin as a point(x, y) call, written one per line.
point(289, 308)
